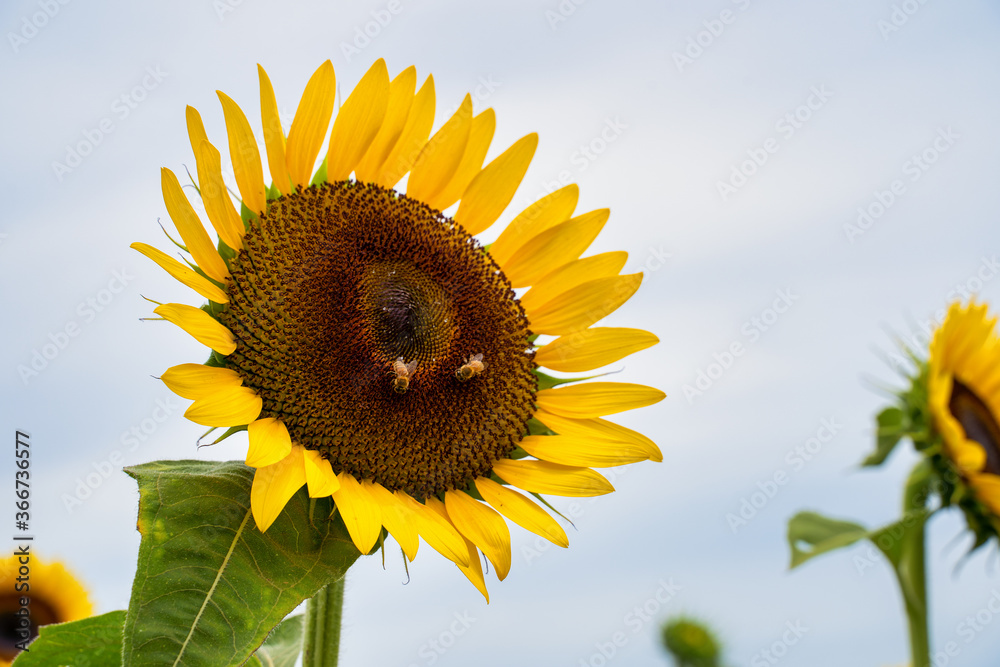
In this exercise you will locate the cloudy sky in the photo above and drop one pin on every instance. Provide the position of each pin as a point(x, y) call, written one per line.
point(834, 161)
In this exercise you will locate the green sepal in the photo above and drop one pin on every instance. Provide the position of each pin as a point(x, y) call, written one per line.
point(247, 215)
point(273, 192)
point(320, 177)
point(227, 253)
point(892, 426)
point(232, 430)
point(96, 640)
point(209, 586)
point(548, 381)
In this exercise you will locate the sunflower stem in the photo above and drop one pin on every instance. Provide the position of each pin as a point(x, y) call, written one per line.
point(321, 643)
point(911, 569)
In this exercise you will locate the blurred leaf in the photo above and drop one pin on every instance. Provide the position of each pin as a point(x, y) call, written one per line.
point(284, 645)
point(821, 534)
point(891, 430)
point(209, 586)
point(89, 642)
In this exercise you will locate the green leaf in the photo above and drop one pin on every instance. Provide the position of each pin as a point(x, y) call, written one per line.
point(85, 643)
point(209, 586)
point(820, 535)
point(891, 430)
point(284, 645)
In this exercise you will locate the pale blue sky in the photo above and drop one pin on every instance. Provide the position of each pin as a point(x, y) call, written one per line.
point(867, 100)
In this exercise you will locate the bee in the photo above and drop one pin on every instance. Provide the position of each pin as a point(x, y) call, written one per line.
point(473, 366)
point(403, 371)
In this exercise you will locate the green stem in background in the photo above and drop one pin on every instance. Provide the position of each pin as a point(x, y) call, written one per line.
point(321, 642)
point(910, 565)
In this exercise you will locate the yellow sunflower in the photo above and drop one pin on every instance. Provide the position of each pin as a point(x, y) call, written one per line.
point(55, 597)
point(963, 387)
point(372, 348)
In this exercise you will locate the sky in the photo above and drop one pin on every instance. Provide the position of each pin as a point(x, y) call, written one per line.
point(803, 183)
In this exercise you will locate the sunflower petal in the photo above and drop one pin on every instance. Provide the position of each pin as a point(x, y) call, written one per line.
point(245, 155)
point(555, 246)
point(312, 118)
point(482, 525)
point(195, 128)
point(440, 157)
point(198, 380)
point(411, 139)
point(598, 429)
point(584, 305)
point(359, 511)
point(480, 137)
point(521, 511)
point(596, 399)
point(437, 531)
point(474, 570)
point(202, 326)
point(183, 274)
point(581, 452)
point(274, 485)
point(397, 518)
point(233, 406)
point(492, 189)
point(218, 205)
point(552, 478)
point(401, 91)
point(588, 349)
point(320, 478)
point(274, 136)
point(571, 274)
point(192, 232)
point(548, 211)
point(269, 442)
point(358, 122)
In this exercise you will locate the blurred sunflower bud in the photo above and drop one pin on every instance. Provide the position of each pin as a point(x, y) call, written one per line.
point(691, 643)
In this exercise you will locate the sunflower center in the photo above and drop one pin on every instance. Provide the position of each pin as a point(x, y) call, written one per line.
point(977, 421)
point(11, 628)
point(347, 286)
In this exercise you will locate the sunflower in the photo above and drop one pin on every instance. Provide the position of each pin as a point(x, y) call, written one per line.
point(373, 349)
point(963, 389)
point(55, 596)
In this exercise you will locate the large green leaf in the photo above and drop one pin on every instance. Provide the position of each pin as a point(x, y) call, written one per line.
point(209, 586)
point(89, 642)
point(283, 647)
point(811, 534)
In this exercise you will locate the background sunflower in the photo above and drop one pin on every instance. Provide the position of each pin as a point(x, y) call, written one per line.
point(640, 134)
